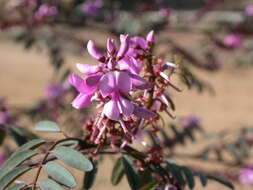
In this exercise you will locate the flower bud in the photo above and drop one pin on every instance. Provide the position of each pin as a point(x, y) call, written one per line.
point(124, 45)
point(111, 47)
point(93, 51)
point(151, 38)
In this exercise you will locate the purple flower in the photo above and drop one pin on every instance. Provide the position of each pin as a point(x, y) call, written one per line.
point(91, 7)
point(249, 11)
point(46, 10)
point(190, 121)
point(54, 91)
point(85, 91)
point(233, 41)
point(246, 175)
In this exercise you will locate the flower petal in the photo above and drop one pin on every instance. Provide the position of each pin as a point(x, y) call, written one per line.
point(125, 106)
point(139, 82)
point(107, 84)
point(143, 113)
point(77, 82)
point(87, 69)
point(123, 82)
point(93, 50)
point(81, 101)
point(93, 80)
point(111, 110)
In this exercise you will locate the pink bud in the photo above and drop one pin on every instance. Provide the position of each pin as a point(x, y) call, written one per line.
point(124, 45)
point(93, 51)
point(151, 37)
point(111, 46)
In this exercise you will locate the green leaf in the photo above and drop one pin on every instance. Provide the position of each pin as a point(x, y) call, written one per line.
point(89, 177)
point(189, 177)
point(202, 178)
point(73, 158)
point(15, 160)
point(70, 143)
point(21, 135)
point(244, 147)
point(221, 180)
point(60, 174)
point(49, 126)
point(132, 177)
point(16, 187)
point(30, 145)
point(149, 186)
point(48, 184)
point(232, 150)
point(117, 172)
point(178, 135)
point(175, 170)
point(11, 176)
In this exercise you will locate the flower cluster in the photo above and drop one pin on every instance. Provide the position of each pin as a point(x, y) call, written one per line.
point(129, 84)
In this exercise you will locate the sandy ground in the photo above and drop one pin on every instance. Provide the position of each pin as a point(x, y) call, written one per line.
point(24, 74)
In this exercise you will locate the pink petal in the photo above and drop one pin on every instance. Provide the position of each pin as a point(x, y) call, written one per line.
point(107, 84)
point(93, 51)
point(143, 113)
point(87, 69)
point(80, 84)
point(138, 42)
point(81, 101)
point(123, 82)
point(139, 82)
point(124, 45)
point(77, 82)
point(93, 80)
point(125, 106)
point(111, 48)
point(151, 37)
point(111, 110)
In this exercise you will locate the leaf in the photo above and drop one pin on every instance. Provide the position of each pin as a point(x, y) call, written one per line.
point(70, 143)
point(11, 176)
point(49, 126)
point(149, 186)
point(176, 172)
point(30, 145)
point(48, 184)
point(60, 174)
point(202, 178)
point(178, 135)
point(189, 177)
point(89, 177)
point(21, 135)
point(244, 147)
point(232, 150)
point(132, 177)
point(221, 180)
point(73, 158)
point(117, 172)
point(15, 160)
point(16, 187)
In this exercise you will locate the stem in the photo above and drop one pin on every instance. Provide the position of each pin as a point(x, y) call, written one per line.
point(45, 159)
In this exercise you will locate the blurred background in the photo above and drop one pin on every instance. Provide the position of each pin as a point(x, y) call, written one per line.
point(39, 45)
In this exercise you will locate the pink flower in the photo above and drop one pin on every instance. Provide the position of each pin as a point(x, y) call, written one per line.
point(116, 84)
point(233, 41)
point(246, 175)
point(46, 10)
point(86, 91)
point(54, 91)
point(249, 11)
